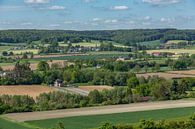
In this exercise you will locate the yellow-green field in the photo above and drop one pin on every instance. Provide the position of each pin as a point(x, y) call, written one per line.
point(176, 51)
point(175, 41)
point(34, 51)
point(5, 48)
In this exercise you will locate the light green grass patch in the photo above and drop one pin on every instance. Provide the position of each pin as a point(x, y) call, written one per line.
point(18, 52)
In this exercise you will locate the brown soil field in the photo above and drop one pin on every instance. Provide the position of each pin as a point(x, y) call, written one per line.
point(30, 90)
point(165, 75)
point(184, 72)
point(91, 88)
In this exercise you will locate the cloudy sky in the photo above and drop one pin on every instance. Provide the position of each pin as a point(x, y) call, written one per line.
point(97, 14)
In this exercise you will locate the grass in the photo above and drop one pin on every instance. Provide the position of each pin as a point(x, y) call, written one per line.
point(5, 124)
point(86, 122)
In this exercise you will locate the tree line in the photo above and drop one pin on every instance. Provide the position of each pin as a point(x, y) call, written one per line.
point(188, 123)
point(126, 37)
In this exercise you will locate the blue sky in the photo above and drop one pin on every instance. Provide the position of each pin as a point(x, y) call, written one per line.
point(96, 14)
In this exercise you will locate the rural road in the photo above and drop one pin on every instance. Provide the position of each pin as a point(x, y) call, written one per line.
point(21, 117)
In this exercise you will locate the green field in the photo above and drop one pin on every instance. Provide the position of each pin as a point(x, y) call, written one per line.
point(86, 122)
point(5, 124)
point(151, 43)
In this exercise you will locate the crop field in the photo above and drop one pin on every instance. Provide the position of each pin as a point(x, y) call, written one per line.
point(79, 122)
point(30, 90)
point(168, 75)
point(18, 52)
point(184, 72)
point(91, 88)
point(177, 51)
point(5, 48)
point(85, 57)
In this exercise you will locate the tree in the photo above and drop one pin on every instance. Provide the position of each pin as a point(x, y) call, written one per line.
point(175, 86)
point(161, 90)
point(129, 94)
point(1, 69)
point(183, 86)
point(22, 73)
point(43, 66)
point(24, 56)
point(143, 90)
point(137, 68)
point(132, 82)
point(4, 53)
point(95, 97)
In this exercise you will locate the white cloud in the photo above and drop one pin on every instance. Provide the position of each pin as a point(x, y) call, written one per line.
point(88, 1)
point(26, 24)
point(161, 2)
point(56, 7)
point(96, 19)
point(54, 25)
point(111, 21)
point(120, 7)
point(147, 18)
point(36, 1)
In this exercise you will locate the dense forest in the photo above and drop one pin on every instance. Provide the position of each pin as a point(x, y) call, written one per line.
point(126, 37)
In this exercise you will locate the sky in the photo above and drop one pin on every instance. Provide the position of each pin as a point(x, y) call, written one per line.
point(96, 14)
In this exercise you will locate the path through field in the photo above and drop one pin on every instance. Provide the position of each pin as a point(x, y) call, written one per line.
point(21, 117)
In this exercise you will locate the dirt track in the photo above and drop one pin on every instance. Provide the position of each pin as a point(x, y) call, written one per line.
point(21, 117)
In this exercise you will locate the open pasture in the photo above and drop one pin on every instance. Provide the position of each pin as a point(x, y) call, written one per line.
point(30, 90)
point(91, 88)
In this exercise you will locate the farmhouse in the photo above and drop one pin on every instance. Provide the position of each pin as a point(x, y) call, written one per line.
point(59, 83)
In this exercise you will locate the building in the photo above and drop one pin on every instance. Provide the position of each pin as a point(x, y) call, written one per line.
point(59, 83)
